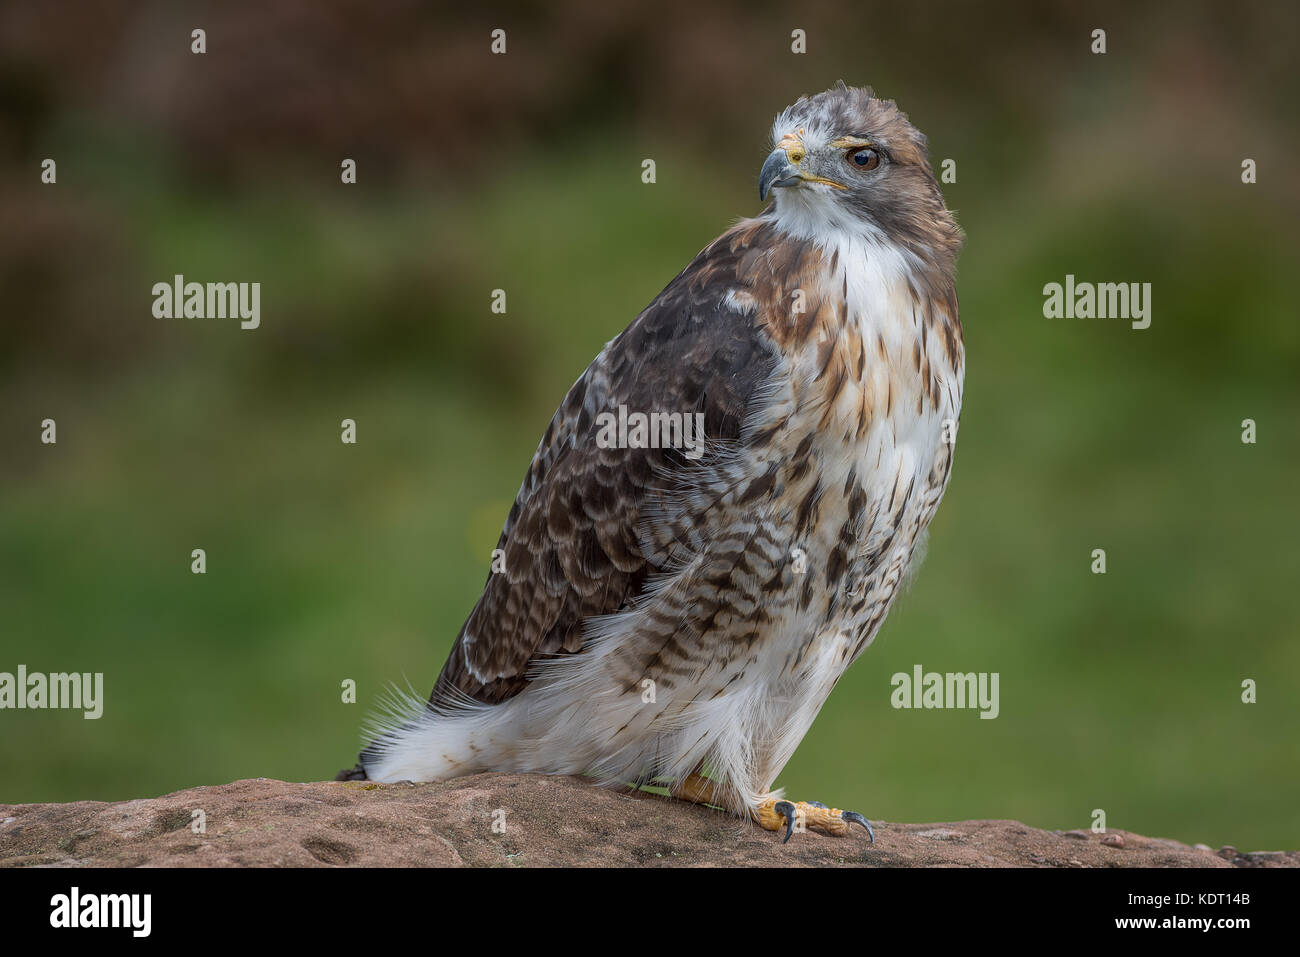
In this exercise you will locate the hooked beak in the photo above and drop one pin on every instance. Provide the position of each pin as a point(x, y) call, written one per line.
point(784, 167)
point(777, 171)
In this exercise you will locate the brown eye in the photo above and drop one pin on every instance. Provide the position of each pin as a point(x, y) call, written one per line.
point(864, 159)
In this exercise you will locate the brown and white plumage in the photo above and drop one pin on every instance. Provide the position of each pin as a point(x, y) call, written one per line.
point(828, 445)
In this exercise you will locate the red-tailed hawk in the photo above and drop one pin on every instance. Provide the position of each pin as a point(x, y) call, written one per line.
point(680, 614)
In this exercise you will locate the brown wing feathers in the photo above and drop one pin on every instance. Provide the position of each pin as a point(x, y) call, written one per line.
point(571, 540)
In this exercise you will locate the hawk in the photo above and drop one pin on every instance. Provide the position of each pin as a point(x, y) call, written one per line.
point(665, 614)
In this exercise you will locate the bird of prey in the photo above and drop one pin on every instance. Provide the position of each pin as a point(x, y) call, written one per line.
point(679, 615)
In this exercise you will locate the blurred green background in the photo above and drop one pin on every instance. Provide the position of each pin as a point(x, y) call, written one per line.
point(328, 562)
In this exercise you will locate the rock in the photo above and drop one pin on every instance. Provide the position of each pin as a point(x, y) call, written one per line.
point(518, 820)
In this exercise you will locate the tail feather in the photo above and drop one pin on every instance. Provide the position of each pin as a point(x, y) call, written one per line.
point(415, 740)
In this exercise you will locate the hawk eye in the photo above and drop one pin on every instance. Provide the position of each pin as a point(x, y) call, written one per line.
point(865, 158)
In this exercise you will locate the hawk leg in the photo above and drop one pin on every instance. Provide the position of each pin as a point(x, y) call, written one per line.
point(773, 813)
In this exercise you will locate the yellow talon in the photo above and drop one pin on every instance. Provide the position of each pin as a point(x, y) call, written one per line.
point(774, 814)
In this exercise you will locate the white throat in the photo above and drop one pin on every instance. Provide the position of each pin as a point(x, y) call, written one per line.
point(874, 268)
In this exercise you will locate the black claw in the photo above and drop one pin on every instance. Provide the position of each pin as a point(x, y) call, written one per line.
point(817, 804)
point(787, 811)
point(853, 817)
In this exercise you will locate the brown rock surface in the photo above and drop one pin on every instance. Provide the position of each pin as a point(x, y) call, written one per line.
point(549, 821)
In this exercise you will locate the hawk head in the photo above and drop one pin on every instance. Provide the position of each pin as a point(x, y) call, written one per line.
point(845, 161)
